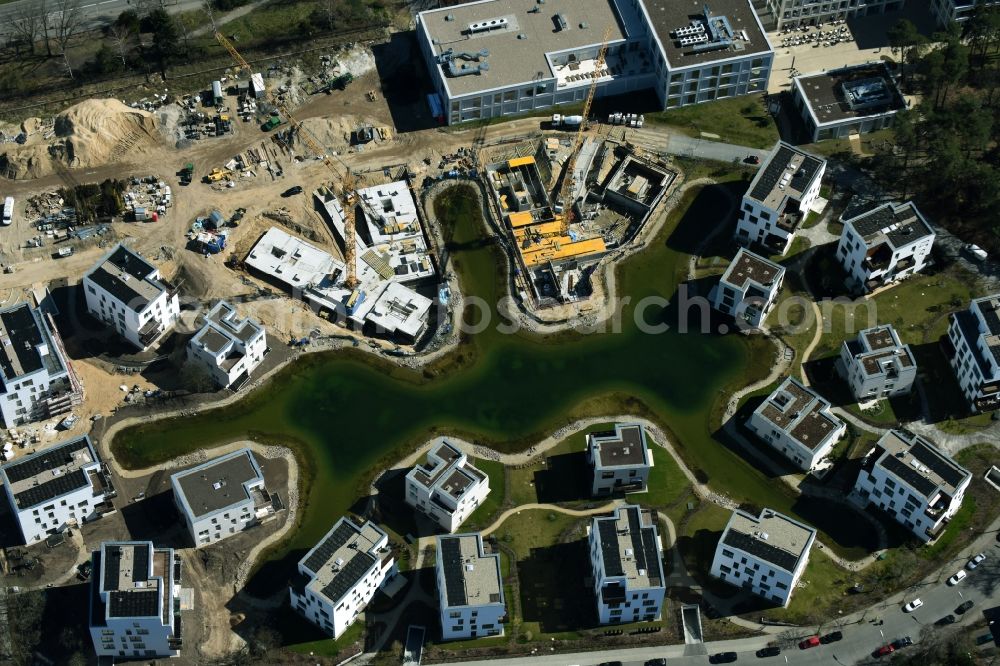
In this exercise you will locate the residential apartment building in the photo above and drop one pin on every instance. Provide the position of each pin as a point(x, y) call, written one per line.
point(974, 335)
point(748, 288)
point(797, 423)
point(877, 364)
point(620, 459)
point(36, 379)
point(470, 588)
point(223, 496)
point(135, 601)
point(496, 58)
point(781, 14)
point(627, 560)
point(947, 11)
point(340, 575)
point(127, 293)
point(446, 488)
point(780, 196)
point(856, 99)
point(60, 486)
point(230, 348)
point(884, 245)
point(763, 554)
point(914, 482)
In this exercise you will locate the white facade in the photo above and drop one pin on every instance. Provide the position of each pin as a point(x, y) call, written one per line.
point(134, 608)
point(795, 13)
point(797, 423)
point(60, 486)
point(230, 348)
point(884, 245)
point(975, 339)
point(128, 294)
point(780, 197)
point(620, 459)
point(877, 364)
point(447, 488)
point(222, 497)
point(748, 289)
point(946, 11)
point(341, 574)
point(470, 588)
point(914, 482)
point(36, 378)
point(626, 557)
point(764, 555)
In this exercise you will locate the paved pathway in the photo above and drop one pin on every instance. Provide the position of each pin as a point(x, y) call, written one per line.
point(665, 140)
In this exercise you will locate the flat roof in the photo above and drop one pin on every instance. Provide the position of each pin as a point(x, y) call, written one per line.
point(293, 261)
point(513, 60)
point(770, 537)
point(878, 348)
point(397, 309)
point(25, 343)
point(870, 91)
point(625, 446)
point(800, 412)
point(472, 578)
point(749, 267)
point(787, 173)
point(744, 31)
point(898, 225)
point(630, 547)
point(988, 308)
point(128, 277)
point(219, 483)
point(134, 576)
point(50, 473)
point(228, 322)
point(447, 470)
point(343, 558)
point(919, 463)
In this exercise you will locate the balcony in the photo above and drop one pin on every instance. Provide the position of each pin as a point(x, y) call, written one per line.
point(150, 332)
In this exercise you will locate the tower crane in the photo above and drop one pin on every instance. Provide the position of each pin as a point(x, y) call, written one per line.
point(567, 183)
point(346, 177)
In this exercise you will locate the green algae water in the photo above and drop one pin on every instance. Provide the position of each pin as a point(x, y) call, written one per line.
point(345, 412)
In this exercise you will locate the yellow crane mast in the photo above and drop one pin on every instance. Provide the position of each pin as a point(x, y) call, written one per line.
point(346, 178)
point(564, 192)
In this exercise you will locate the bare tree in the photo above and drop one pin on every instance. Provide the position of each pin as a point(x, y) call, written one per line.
point(67, 19)
point(45, 24)
point(27, 24)
point(121, 37)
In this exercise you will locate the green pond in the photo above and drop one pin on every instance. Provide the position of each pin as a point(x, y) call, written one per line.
point(346, 413)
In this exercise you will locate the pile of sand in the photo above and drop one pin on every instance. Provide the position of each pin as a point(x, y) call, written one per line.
point(92, 133)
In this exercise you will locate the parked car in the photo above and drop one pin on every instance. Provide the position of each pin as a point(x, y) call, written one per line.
point(657, 662)
point(810, 642)
point(901, 643)
point(292, 191)
point(975, 252)
point(772, 651)
point(723, 658)
point(957, 578)
point(912, 606)
point(964, 607)
point(611, 663)
point(884, 650)
point(975, 561)
point(751, 159)
point(831, 637)
point(947, 619)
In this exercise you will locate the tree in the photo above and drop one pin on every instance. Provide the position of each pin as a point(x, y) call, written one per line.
point(26, 25)
point(164, 31)
point(67, 23)
point(904, 39)
point(42, 8)
point(121, 38)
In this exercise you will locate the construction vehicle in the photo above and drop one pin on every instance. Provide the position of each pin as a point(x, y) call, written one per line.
point(566, 190)
point(187, 174)
point(217, 174)
point(566, 121)
point(345, 177)
point(336, 83)
point(272, 121)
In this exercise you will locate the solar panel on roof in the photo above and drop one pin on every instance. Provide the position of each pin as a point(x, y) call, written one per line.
point(57, 456)
point(609, 547)
point(761, 549)
point(112, 567)
point(635, 534)
point(43, 492)
point(348, 576)
point(140, 563)
point(912, 477)
point(948, 471)
point(134, 603)
point(325, 550)
point(451, 562)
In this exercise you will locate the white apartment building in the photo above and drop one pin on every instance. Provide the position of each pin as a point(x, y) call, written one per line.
point(764, 555)
point(36, 379)
point(620, 459)
point(856, 99)
point(341, 574)
point(627, 560)
point(975, 339)
point(127, 293)
point(60, 486)
point(914, 482)
point(748, 289)
point(884, 245)
point(780, 14)
point(446, 488)
point(135, 601)
point(496, 58)
point(797, 423)
point(877, 364)
point(223, 496)
point(946, 11)
point(779, 198)
point(230, 348)
point(470, 589)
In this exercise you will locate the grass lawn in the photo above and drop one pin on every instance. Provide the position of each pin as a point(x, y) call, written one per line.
point(535, 528)
point(869, 144)
point(328, 647)
point(972, 424)
point(667, 482)
point(741, 120)
point(816, 597)
point(488, 510)
point(881, 412)
point(523, 481)
point(698, 535)
point(792, 321)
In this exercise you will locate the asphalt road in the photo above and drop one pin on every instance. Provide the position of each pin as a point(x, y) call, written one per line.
point(97, 13)
point(674, 143)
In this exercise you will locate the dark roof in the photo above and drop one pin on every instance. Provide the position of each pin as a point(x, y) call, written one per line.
point(44, 460)
point(748, 266)
point(348, 576)
point(912, 477)
point(130, 263)
point(666, 16)
point(217, 484)
point(112, 567)
point(451, 556)
point(337, 538)
point(22, 327)
point(770, 174)
point(97, 609)
point(134, 603)
point(901, 224)
point(946, 469)
point(42, 493)
point(968, 326)
point(623, 446)
point(825, 94)
point(761, 549)
point(609, 548)
point(644, 546)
